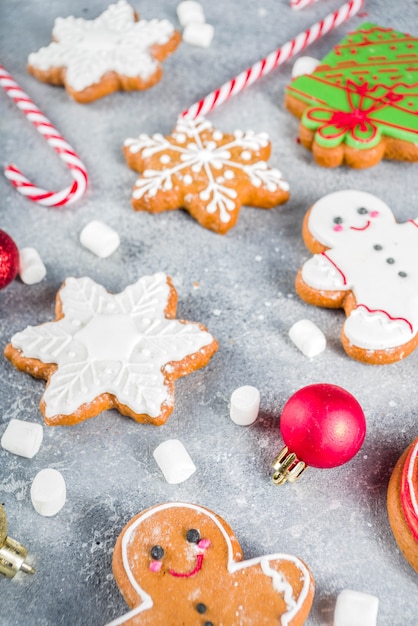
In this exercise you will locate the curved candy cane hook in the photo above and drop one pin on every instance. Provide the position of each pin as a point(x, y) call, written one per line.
point(55, 140)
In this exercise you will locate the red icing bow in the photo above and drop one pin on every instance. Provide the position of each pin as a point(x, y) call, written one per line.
point(358, 120)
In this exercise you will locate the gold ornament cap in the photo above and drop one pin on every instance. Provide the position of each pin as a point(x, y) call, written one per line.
point(12, 553)
point(287, 466)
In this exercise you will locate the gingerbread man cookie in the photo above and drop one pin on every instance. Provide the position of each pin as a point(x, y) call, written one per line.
point(402, 502)
point(208, 173)
point(361, 103)
point(366, 263)
point(105, 351)
point(116, 51)
point(181, 564)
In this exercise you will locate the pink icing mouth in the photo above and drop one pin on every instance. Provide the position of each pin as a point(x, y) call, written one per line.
point(203, 544)
point(361, 227)
point(192, 572)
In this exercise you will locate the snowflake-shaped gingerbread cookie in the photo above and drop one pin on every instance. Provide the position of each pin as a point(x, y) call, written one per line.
point(105, 351)
point(207, 172)
point(367, 263)
point(116, 51)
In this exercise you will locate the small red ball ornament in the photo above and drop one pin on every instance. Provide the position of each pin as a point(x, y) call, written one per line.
point(9, 259)
point(322, 425)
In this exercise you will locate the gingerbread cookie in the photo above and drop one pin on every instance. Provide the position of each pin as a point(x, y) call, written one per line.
point(116, 51)
point(106, 351)
point(361, 103)
point(366, 263)
point(206, 172)
point(402, 503)
point(179, 563)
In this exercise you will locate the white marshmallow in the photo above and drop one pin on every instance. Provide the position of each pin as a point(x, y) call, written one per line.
point(355, 608)
point(245, 404)
point(48, 492)
point(174, 461)
point(304, 65)
point(198, 34)
point(190, 11)
point(22, 438)
point(308, 338)
point(31, 268)
point(99, 238)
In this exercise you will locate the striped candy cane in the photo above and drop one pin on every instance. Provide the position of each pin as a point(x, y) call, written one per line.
point(55, 140)
point(300, 4)
point(279, 56)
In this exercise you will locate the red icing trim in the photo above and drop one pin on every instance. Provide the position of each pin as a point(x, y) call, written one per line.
point(194, 571)
point(408, 508)
point(389, 88)
point(336, 267)
point(392, 319)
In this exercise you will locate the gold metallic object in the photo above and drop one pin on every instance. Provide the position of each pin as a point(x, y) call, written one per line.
point(12, 553)
point(287, 467)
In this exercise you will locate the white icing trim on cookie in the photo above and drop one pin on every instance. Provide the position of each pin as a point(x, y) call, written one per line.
point(113, 42)
point(373, 256)
point(209, 159)
point(278, 580)
point(111, 343)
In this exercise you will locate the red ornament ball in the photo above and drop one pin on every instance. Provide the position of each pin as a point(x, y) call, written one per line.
point(323, 425)
point(9, 259)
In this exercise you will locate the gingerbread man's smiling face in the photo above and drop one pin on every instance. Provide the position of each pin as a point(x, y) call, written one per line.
point(345, 213)
point(181, 564)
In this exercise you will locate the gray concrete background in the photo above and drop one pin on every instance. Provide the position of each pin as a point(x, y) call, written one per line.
point(335, 520)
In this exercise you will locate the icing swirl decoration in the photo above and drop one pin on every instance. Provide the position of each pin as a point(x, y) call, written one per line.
point(208, 173)
point(364, 262)
point(402, 503)
point(107, 351)
point(409, 490)
point(113, 51)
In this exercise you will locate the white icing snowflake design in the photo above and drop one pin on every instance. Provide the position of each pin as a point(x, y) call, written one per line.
point(224, 167)
point(113, 42)
point(119, 344)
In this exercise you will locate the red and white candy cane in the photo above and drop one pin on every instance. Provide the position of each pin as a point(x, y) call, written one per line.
point(55, 140)
point(279, 56)
point(300, 4)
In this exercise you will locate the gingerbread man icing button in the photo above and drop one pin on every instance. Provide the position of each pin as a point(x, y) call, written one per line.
point(366, 263)
point(112, 351)
point(206, 172)
point(178, 563)
point(402, 502)
point(115, 51)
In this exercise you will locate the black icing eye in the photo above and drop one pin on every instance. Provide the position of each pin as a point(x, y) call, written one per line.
point(390, 260)
point(362, 210)
point(157, 553)
point(338, 220)
point(201, 608)
point(378, 246)
point(193, 536)
point(402, 274)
